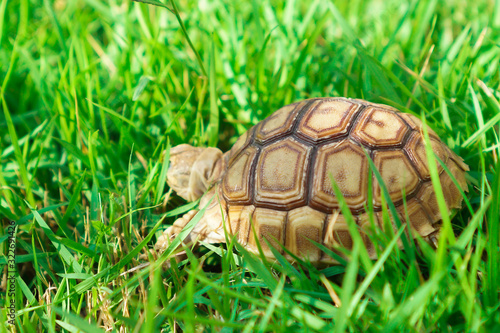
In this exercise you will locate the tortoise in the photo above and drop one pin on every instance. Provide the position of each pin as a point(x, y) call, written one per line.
point(278, 177)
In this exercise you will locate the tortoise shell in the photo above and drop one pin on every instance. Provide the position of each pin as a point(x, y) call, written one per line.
point(278, 175)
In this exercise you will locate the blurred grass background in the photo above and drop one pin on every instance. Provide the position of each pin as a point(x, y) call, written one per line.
point(92, 93)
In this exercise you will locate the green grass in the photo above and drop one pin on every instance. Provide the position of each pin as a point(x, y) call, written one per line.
point(93, 92)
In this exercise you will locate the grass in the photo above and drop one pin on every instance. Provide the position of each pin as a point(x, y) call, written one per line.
point(92, 93)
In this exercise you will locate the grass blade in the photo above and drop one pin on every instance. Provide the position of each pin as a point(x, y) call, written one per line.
point(492, 267)
point(62, 250)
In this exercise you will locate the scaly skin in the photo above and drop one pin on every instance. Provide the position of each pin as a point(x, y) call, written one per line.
point(193, 170)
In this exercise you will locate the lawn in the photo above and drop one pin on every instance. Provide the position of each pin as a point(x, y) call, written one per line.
point(93, 93)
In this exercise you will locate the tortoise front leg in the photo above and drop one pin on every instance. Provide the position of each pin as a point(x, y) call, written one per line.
point(171, 232)
point(209, 228)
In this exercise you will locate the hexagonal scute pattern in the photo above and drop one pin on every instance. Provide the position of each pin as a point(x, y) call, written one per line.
point(427, 198)
point(380, 128)
point(415, 148)
point(239, 222)
point(346, 162)
point(417, 216)
point(240, 144)
point(328, 119)
point(451, 193)
point(281, 174)
point(337, 234)
point(397, 173)
point(304, 225)
point(277, 181)
point(269, 224)
point(337, 231)
point(279, 123)
point(415, 123)
point(236, 181)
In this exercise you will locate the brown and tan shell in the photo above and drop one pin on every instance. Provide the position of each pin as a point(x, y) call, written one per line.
point(277, 176)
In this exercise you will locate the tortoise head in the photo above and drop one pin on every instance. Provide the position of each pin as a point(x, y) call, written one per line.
point(193, 170)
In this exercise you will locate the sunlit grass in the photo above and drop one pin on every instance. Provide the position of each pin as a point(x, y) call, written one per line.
point(93, 93)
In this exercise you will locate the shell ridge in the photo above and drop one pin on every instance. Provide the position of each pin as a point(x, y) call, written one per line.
point(355, 120)
point(310, 175)
point(251, 180)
